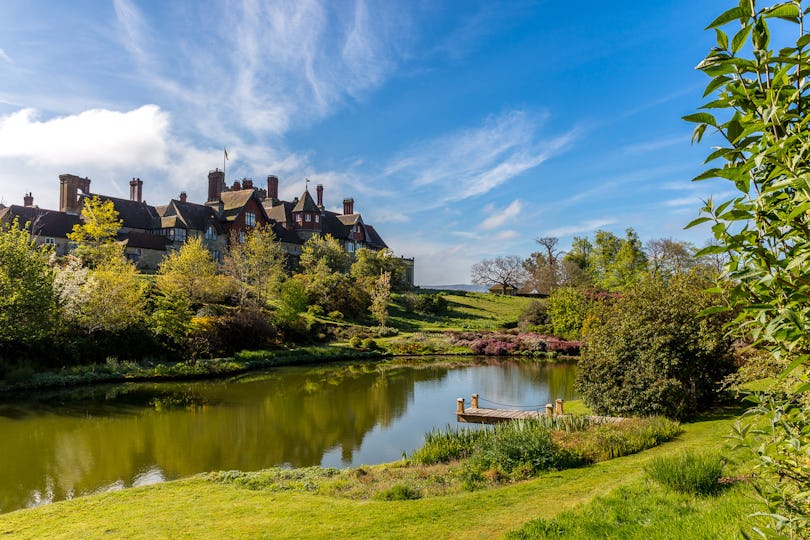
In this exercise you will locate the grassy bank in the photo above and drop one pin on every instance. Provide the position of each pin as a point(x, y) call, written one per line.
point(195, 507)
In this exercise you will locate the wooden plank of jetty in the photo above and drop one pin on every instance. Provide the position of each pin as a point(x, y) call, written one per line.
point(482, 415)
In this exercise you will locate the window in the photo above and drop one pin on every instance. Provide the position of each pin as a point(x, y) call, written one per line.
point(241, 237)
point(215, 255)
point(298, 218)
point(210, 233)
point(317, 218)
point(50, 241)
point(250, 219)
point(179, 235)
point(307, 218)
point(350, 247)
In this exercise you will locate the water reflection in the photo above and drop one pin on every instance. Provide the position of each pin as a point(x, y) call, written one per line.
point(60, 445)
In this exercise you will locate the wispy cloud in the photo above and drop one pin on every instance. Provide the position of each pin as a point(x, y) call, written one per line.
point(5, 57)
point(581, 227)
point(652, 146)
point(499, 216)
point(474, 161)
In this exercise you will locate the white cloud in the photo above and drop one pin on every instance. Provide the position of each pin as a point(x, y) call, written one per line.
point(500, 216)
point(5, 57)
point(506, 235)
point(475, 161)
point(582, 227)
point(96, 137)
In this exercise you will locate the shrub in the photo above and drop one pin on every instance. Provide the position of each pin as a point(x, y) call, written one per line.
point(369, 344)
point(355, 342)
point(536, 315)
point(336, 315)
point(400, 492)
point(315, 310)
point(689, 472)
point(650, 353)
point(442, 446)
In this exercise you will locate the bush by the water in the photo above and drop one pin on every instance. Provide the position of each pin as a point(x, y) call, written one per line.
point(650, 352)
point(689, 472)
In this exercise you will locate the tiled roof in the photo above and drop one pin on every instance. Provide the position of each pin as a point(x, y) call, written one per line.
point(193, 216)
point(373, 238)
point(135, 239)
point(134, 214)
point(331, 224)
point(233, 202)
point(285, 235)
point(348, 219)
point(45, 222)
point(280, 212)
point(306, 204)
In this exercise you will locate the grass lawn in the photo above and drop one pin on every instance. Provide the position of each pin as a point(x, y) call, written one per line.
point(194, 508)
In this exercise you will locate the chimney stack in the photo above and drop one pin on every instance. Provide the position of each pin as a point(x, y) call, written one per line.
point(319, 189)
point(237, 186)
point(28, 200)
point(216, 183)
point(272, 187)
point(69, 187)
point(247, 183)
point(348, 206)
point(183, 196)
point(136, 190)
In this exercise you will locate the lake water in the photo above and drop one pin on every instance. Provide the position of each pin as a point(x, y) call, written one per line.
point(57, 446)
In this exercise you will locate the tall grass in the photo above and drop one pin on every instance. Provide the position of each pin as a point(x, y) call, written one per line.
point(688, 472)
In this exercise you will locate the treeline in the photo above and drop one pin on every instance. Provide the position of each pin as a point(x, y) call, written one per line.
point(653, 340)
point(94, 303)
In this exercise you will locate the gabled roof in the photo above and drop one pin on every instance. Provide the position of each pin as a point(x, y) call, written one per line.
point(281, 213)
point(190, 215)
point(349, 219)
point(135, 239)
point(233, 202)
point(373, 238)
point(306, 204)
point(45, 222)
point(285, 235)
point(331, 224)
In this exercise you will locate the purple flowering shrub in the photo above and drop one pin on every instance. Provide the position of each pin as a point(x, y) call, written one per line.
point(501, 344)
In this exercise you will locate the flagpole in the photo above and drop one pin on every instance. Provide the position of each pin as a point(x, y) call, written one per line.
point(224, 158)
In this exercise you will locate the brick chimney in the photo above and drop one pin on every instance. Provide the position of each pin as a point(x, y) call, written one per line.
point(272, 187)
point(237, 186)
point(348, 206)
point(319, 189)
point(216, 183)
point(183, 196)
point(247, 183)
point(28, 200)
point(69, 187)
point(136, 190)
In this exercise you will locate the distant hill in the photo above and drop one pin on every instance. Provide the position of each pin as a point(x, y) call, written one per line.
point(460, 287)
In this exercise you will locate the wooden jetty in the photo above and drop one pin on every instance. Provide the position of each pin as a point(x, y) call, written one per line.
point(478, 415)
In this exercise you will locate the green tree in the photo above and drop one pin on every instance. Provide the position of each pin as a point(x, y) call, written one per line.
point(759, 127)
point(189, 273)
point(27, 300)
point(324, 250)
point(648, 352)
point(256, 264)
point(567, 308)
point(108, 298)
point(95, 236)
point(368, 265)
point(380, 296)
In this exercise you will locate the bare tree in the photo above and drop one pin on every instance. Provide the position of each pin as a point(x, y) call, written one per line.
point(544, 267)
point(504, 271)
point(667, 256)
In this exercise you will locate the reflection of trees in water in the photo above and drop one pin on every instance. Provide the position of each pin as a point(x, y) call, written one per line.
point(292, 416)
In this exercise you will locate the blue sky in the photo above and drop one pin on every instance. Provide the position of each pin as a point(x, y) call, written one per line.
point(463, 130)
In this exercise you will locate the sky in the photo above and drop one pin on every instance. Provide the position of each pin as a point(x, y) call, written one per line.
point(463, 130)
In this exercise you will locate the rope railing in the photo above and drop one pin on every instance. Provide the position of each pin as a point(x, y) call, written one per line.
point(541, 406)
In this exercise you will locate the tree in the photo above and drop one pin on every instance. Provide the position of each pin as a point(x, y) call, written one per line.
point(27, 300)
point(611, 263)
point(759, 124)
point(326, 250)
point(567, 308)
point(668, 257)
point(95, 236)
point(108, 298)
point(256, 264)
point(503, 271)
point(368, 265)
point(380, 296)
point(648, 352)
point(189, 272)
point(545, 266)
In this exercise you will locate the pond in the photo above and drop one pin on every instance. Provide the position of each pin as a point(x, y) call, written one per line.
point(61, 445)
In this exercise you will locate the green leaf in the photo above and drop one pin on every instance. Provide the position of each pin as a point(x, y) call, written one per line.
point(714, 309)
point(716, 83)
point(739, 38)
point(696, 222)
point(701, 118)
point(697, 134)
point(762, 36)
point(787, 11)
point(728, 16)
point(722, 38)
point(705, 175)
point(803, 41)
point(798, 361)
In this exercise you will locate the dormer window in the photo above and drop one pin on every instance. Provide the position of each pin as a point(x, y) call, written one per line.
point(250, 219)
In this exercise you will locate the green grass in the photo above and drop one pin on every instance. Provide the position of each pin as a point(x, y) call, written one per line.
point(691, 473)
point(466, 311)
point(198, 507)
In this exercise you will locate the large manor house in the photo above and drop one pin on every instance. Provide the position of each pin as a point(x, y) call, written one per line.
point(148, 232)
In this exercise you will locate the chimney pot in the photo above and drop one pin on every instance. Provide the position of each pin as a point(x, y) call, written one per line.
point(183, 196)
point(247, 183)
point(28, 200)
point(348, 206)
point(237, 186)
point(136, 189)
point(319, 189)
